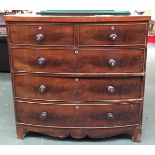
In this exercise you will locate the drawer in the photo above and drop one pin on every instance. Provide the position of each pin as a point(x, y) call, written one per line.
point(112, 34)
point(78, 61)
point(62, 115)
point(52, 88)
point(38, 34)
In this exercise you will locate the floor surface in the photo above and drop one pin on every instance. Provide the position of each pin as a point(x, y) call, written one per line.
point(7, 119)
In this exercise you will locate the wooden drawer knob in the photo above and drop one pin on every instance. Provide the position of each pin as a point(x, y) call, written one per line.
point(112, 62)
point(113, 36)
point(41, 61)
point(111, 89)
point(39, 37)
point(43, 115)
point(110, 116)
point(42, 88)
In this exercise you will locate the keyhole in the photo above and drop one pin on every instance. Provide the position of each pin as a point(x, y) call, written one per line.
point(39, 27)
point(76, 79)
point(77, 107)
point(112, 27)
point(76, 52)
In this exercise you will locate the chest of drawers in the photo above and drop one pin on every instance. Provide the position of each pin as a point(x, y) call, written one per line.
point(78, 76)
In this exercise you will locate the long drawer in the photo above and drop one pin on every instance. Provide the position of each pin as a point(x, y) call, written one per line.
point(53, 88)
point(112, 34)
point(78, 61)
point(42, 34)
point(61, 115)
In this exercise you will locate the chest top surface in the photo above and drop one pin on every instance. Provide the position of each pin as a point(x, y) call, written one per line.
point(75, 18)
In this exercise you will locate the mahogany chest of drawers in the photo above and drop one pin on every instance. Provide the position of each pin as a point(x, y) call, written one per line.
point(78, 76)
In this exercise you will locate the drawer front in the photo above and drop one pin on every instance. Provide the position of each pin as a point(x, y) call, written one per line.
point(58, 115)
point(78, 61)
point(50, 34)
point(112, 34)
point(52, 88)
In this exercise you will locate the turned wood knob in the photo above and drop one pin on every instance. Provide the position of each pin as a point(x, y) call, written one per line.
point(110, 116)
point(113, 36)
point(112, 62)
point(41, 61)
point(42, 88)
point(111, 89)
point(43, 115)
point(39, 37)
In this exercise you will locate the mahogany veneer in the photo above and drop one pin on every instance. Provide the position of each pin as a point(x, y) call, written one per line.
point(78, 75)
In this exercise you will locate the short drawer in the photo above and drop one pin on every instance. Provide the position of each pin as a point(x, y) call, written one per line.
point(53, 88)
point(62, 115)
point(78, 61)
point(112, 34)
point(42, 34)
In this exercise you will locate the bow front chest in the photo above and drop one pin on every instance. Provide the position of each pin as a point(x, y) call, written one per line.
point(78, 75)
